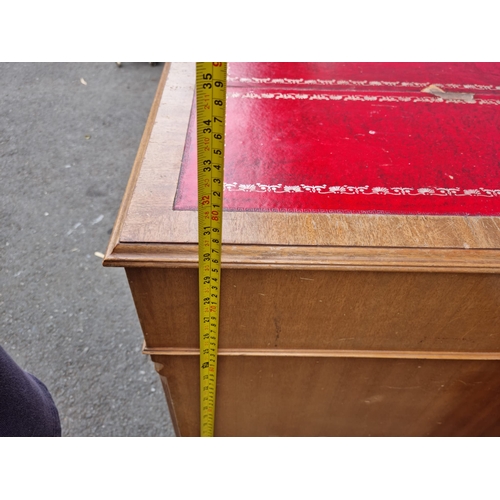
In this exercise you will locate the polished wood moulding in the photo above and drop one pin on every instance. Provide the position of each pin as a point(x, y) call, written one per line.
point(333, 322)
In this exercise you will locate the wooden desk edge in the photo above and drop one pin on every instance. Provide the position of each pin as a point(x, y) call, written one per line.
point(129, 190)
point(310, 258)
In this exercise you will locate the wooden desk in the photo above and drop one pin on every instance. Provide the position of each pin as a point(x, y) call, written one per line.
point(332, 324)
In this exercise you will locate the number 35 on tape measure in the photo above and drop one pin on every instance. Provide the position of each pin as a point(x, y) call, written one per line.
point(211, 78)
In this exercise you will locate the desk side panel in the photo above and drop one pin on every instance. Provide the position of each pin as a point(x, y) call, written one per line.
point(259, 396)
point(270, 309)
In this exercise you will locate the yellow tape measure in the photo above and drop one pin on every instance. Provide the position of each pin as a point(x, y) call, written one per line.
point(211, 120)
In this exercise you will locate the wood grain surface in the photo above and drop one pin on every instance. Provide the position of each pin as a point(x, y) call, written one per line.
point(324, 310)
point(288, 396)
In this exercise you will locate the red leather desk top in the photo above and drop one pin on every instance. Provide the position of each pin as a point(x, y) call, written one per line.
point(386, 138)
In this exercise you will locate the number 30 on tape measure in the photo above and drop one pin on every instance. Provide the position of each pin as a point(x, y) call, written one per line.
point(211, 80)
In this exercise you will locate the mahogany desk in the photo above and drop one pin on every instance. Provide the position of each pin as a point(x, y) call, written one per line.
point(361, 263)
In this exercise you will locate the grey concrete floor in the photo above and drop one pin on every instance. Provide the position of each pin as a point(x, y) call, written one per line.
point(66, 151)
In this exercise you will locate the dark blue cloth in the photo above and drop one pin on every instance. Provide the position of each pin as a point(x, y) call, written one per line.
point(26, 406)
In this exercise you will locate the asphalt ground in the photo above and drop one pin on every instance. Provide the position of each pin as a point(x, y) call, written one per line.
point(69, 133)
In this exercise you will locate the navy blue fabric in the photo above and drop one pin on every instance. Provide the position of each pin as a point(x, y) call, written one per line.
point(26, 406)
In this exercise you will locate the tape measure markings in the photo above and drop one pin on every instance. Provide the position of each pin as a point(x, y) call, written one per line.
point(211, 78)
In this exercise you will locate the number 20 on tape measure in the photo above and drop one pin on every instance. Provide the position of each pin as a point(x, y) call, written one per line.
point(211, 78)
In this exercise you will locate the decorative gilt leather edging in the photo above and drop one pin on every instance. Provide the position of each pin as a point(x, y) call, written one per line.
point(324, 189)
point(327, 353)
